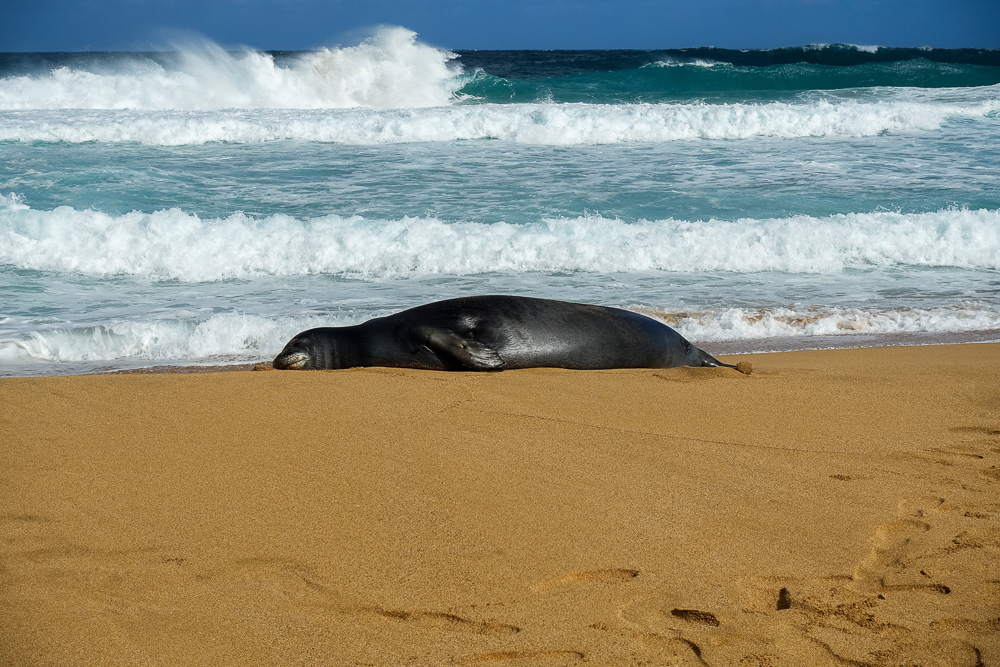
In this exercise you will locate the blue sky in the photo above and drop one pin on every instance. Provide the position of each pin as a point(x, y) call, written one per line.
point(125, 25)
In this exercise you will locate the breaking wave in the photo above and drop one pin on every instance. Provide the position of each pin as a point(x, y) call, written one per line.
point(175, 245)
point(388, 70)
point(392, 70)
point(543, 124)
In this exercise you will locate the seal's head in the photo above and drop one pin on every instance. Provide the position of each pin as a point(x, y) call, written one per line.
point(297, 354)
point(323, 348)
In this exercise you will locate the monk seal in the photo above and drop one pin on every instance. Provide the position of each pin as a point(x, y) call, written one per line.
point(495, 333)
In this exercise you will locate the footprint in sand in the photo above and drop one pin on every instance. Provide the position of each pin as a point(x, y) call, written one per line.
point(298, 582)
point(901, 530)
point(606, 576)
point(978, 538)
point(894, 542)
point(919, 506)
point(864, 618)
point(441, 621)
point(696, 616)
point(868, 617)
point(282, 578)
point(525, 658)
point(24, 518)
point(978, 430)
point(667, 649)
point(992, 474)
point(986, 445)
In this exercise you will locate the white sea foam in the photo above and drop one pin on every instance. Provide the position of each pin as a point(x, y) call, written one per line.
point(390, 69)
point(174, 245)
point(856, 47)
point(223, 337)
point(545, 124)
point(693, 62)
point(751, 324)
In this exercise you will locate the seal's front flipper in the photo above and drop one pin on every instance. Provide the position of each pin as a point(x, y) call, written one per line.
point(454, 351)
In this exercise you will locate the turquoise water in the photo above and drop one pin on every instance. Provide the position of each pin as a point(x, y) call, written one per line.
point(201, 207)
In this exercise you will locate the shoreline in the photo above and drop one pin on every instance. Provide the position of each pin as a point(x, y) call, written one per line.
point(715, 348)
point(833, 507)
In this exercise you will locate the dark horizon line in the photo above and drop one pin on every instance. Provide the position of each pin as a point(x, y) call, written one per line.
point(817, 46)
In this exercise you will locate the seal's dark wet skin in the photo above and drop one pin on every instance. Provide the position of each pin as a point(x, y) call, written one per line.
point(495, 333)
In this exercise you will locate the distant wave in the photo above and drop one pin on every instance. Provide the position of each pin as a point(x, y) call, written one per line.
point(552, 64)
point(393, 70)
point(174, 245)
point(388, 70)
point(838, 55)
point(843, 47)
point(544, 124)
point(678, 80)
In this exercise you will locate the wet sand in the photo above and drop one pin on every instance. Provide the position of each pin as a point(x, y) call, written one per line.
point(839, 507)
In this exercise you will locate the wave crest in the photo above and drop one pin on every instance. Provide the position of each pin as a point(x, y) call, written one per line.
point(390, 69)
point(542, 124)
point(174, 245)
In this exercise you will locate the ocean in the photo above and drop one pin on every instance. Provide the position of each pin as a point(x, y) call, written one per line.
point(200, 206)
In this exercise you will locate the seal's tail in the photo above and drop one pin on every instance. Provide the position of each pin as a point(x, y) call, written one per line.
point(710, 361)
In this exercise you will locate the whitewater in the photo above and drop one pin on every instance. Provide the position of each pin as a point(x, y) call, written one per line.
point(198, 206)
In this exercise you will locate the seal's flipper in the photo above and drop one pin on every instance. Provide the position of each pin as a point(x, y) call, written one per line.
point(454, 350)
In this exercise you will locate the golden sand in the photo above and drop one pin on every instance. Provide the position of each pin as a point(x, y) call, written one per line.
point(832, 508)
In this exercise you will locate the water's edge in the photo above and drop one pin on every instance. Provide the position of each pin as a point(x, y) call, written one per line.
point(716, 348)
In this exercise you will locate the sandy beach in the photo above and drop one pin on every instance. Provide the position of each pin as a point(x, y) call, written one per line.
point(839, 507)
